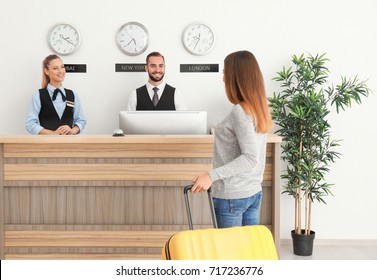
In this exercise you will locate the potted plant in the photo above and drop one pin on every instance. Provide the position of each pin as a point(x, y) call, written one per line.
point(301, 113)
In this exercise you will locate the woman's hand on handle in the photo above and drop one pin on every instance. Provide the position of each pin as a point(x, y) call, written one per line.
point(201, 182)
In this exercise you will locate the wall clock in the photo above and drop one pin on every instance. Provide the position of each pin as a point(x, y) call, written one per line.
point(64, 39)
point(132, 38)
point(198, 38)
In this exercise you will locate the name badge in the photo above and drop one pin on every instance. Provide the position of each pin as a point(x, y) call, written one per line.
point(70, 104)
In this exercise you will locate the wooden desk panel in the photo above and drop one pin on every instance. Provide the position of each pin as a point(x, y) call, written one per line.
point(102, 185)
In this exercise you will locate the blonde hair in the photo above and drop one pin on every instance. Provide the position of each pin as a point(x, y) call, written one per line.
point(45, 63)
point(244, 85)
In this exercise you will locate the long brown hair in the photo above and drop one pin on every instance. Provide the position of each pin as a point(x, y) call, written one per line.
point(45, 63)
point(244, 85)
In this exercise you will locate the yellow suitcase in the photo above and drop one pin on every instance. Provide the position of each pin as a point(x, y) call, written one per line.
point(235, 243)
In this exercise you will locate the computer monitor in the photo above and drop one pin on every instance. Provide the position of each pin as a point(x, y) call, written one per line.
point(163, 122)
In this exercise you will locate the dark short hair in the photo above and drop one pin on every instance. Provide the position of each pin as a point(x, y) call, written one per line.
point(154, 54)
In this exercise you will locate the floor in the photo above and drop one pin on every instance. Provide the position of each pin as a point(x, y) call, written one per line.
point(343, 251)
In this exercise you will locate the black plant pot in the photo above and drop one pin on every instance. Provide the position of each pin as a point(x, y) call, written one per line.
point(302, 243)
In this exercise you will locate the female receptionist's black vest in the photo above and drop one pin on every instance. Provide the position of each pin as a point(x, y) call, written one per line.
point(166, 101)
point(48, 117)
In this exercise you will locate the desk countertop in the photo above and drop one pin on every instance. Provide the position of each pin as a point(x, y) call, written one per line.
point(103, 139)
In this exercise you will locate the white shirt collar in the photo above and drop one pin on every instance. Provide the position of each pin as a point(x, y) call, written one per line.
point(160, 86)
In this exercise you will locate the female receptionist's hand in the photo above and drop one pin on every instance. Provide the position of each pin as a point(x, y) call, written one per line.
point(64, 129)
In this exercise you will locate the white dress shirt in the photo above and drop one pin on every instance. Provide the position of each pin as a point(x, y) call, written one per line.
point(179, 102)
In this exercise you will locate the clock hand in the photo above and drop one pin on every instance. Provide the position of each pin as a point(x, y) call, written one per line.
point(66, 39)
point(132, 40)
point(197, 40)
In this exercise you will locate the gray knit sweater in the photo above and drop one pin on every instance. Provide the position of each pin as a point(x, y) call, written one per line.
point(239, 157)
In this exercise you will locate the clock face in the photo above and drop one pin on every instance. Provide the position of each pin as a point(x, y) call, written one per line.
point(133, 38)
point(64, 39)
point(198, 38)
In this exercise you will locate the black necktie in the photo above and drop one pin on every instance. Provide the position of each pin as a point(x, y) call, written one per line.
point(56, 91)
point(155, 96)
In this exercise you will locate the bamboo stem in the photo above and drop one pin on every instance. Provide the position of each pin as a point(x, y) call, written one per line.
point(298, 228)
point(298, 197)
point(306, 210)
point(296, 205)
point(310, 213)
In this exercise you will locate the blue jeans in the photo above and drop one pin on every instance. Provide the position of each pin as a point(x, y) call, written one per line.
point(238, 212)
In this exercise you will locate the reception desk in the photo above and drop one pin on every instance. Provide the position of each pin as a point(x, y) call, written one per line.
point(104, 197)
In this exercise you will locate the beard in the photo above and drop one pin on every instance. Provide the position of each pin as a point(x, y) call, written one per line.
point(156, 79)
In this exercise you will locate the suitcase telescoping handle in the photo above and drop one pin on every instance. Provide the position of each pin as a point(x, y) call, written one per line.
point(187, 202)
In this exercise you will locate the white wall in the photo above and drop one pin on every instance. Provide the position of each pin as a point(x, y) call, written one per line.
point(273, 30)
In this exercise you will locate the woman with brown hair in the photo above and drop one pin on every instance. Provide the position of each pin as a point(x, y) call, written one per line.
point(240, 145)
